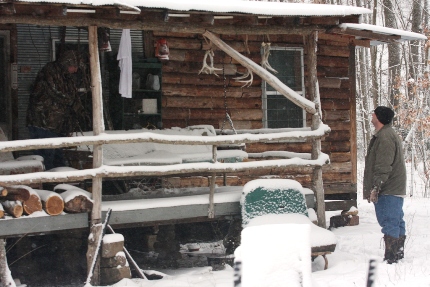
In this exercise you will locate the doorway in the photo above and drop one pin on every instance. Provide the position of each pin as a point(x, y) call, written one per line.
point(5, 88)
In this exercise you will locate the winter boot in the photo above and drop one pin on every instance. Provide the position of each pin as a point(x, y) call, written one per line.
point(390, 249)
point(401, 247)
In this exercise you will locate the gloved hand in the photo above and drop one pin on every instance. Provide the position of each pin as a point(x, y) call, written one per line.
point(373, 195)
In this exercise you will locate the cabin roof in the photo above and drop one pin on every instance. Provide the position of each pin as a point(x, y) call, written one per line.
point(224, 6)
point(360, 31)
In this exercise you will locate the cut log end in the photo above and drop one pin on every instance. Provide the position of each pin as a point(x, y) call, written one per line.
point(78, 204)
point(54, 205)
point(32, 205)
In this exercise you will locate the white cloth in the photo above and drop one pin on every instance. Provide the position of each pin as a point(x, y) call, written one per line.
point(125, 64)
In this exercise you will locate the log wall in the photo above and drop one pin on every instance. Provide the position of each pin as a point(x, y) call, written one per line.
point(190, 98)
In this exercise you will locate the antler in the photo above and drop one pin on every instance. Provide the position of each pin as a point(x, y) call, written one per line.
point(209, 69)
point(265, 57)
point(244, 76)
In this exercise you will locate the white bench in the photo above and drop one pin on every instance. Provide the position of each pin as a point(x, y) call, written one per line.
point(23, 164)
point(149, 153)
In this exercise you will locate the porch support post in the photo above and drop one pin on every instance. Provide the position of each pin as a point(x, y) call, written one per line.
point(98, 128)
point(310, 43)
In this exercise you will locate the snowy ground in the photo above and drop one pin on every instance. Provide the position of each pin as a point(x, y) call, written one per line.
point(348, 265)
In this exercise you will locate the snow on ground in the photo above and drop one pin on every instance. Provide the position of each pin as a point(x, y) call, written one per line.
point(348, 265)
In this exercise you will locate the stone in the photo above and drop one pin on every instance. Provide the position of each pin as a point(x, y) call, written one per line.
point(112, 275)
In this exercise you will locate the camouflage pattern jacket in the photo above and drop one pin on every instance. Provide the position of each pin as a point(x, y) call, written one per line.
point(54, 103)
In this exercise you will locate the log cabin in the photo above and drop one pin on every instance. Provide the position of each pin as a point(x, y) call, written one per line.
point(276, 80)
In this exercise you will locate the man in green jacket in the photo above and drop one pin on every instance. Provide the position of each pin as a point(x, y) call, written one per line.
point(384, 182)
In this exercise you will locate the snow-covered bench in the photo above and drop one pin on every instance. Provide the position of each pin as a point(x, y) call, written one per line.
point(282, 201)
point(150, 153)
point(24, 164)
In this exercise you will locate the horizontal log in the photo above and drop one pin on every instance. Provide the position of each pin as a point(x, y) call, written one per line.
point(212, 103)
point(336, 136)
point(52, 202)
point(235, 114)
point(341, 115)
point(3, 191)
point(326, 93)
point(339, 125)
point(325, 61)
point(335, 104)
point(156, 23)
point(331, 83)
point(13, 208)
point(2, 213)
point(178, 169)
point(185, 44)
point(333, 51)
point(17, 193)
point(340, 156)
point(195, 67)
point(339, 72)
point(337, 167)
point(205, 91)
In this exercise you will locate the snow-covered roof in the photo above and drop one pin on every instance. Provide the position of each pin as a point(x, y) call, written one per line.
point(226, 6)
point(404, 35)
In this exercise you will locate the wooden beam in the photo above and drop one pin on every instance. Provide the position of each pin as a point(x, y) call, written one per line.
point(139, 171)
point(158, 25)
point(310, 42)
point(264, 74)
point(366, 34)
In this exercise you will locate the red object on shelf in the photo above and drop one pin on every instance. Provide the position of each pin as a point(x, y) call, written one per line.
point(162, 51)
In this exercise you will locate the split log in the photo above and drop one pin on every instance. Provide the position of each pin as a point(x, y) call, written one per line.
point(76, 201)
point(14, 208)
point(1, 211)
point(52, 202)
point(18, 192)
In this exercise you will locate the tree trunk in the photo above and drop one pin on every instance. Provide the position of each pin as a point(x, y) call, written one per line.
point(393, 55)
point(417, 12)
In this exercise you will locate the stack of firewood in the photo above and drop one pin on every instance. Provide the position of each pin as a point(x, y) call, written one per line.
point(21, 200)
point(113, 265)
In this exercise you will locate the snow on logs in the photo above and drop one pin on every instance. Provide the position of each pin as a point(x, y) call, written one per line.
point(52, 202)
point(20, 199)
point(76, 200)
point(29, 199)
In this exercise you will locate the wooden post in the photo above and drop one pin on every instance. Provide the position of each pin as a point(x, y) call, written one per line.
point(310, 43)
point(98, 128)
point(211, 211)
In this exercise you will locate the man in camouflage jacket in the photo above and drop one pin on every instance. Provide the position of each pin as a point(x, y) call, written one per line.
point(55, 106)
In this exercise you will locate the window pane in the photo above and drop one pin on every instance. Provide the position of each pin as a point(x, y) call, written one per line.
point(282, 113)
point(288, 65)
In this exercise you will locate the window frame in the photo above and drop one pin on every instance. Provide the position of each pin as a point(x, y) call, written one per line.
point(302, 92)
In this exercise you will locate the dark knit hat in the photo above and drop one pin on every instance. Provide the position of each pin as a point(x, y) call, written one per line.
point(384, 114)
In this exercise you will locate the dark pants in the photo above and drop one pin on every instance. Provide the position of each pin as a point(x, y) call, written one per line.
point(389, 213)
point(51, 157)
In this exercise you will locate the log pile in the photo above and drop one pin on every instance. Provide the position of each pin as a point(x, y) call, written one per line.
point(19, 200)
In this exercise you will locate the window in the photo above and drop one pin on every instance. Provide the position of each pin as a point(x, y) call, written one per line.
point(279, 112)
